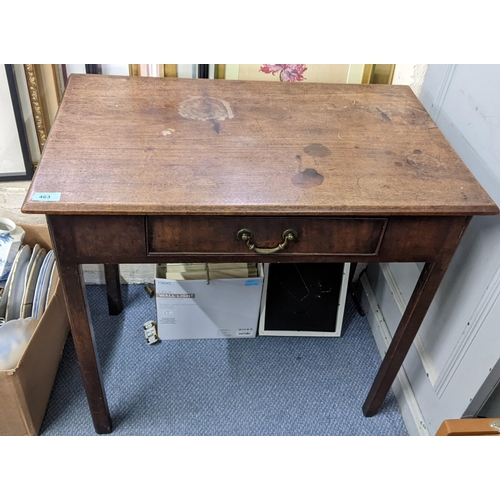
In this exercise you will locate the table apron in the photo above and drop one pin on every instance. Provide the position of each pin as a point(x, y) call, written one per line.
point(114, 239)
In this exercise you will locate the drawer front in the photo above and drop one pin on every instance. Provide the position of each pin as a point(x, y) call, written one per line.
point(219, 235)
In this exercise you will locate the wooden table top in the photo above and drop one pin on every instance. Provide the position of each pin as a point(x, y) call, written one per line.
point(133, 145)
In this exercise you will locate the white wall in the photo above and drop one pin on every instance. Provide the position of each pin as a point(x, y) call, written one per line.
point(410, 74)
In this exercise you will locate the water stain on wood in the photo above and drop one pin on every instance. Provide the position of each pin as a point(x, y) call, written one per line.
point(317, 150)
point(417, 117)
point(307, 178)
point(419, 159)
point(205, 108)
point(423, 166)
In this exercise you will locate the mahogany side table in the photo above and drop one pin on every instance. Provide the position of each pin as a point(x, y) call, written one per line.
point(148, 170)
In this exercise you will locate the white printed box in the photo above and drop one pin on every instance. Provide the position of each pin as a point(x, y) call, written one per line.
point(193, 309)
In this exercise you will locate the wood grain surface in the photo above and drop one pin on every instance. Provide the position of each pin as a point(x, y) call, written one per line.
point(123, 145)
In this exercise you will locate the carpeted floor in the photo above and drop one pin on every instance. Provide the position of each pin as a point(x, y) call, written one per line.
point(287, 386)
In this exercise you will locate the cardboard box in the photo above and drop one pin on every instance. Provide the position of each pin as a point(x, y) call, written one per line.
point(304, 300)
point(25, 390)
point(193, 309)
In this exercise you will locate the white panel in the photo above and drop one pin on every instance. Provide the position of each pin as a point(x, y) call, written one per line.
point(186, 70)
point(474, 328)
point(475, 134)
point(403, 392)
point(232, 71)
point(473, 106)
point(492, 407)
point(29, 121)
point(402, 302)
point(355, 74)
point(435, 79)
point(11, 155)
point(115, 69)
point(75, 68)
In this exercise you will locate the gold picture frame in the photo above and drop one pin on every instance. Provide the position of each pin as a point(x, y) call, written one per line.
point(378, 73)
point(36, 104)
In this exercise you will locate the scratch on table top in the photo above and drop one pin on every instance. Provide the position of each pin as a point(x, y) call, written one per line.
point(259, 126)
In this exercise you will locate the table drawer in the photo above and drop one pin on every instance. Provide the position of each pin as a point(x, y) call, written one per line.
point(219, 235)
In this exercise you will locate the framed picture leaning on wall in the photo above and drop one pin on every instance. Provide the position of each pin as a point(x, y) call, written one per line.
point(15, 158)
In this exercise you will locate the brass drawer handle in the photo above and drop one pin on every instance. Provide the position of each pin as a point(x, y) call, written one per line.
point(246, 236)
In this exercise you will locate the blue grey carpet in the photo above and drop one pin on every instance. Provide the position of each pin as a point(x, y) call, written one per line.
point(280, 386)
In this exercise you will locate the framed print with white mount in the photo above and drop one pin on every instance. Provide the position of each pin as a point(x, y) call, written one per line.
point(15, 157)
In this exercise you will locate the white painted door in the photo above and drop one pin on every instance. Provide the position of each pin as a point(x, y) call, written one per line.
point(459, 341)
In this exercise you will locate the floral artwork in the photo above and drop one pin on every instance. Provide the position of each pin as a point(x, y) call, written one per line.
point(287, 72)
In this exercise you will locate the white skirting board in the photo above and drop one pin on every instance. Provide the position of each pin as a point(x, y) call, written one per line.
point(407, 402)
